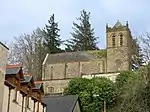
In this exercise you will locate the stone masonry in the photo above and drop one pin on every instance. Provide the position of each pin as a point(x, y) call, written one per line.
point(59, 68)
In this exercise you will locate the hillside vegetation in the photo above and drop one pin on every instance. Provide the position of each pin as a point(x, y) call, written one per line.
point(130, 92)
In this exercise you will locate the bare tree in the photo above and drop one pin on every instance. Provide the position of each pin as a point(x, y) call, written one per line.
point(145, 43)
point(28, 49)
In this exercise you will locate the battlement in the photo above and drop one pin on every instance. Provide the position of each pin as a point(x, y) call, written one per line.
point(117, 27)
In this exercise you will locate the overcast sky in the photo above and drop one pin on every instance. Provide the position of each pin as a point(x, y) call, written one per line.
point(23, 16)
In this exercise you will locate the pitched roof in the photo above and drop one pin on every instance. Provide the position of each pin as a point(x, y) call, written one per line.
point(118, 24)
point(71, 57)
point(38, 86)
point(4, 45)
point(60, 103)
point(27, 78)
point(14, 71)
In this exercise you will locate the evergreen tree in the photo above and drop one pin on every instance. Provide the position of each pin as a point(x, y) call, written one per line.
point(52, 40)
point(83, 35)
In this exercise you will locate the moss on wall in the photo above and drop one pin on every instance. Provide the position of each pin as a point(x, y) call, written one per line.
point(99, 53)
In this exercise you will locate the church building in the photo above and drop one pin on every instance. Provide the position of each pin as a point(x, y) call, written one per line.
point(59, 69)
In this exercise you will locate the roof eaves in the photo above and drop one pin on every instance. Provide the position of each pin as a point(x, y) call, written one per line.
point(75, 104)
point(4, 45)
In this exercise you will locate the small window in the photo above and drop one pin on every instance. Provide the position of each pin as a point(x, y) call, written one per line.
point(113, 42)
point(50, 90)
point(15, 96)
point(121, 35)
point(27, 101)
point(16, 92)
point(121, 41)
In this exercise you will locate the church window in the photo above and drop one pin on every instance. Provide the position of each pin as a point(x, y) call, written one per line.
point(121, 40)
point(118, 64)
point(113, 42)
point(51, 89)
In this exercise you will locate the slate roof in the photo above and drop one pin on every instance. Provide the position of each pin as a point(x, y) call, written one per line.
point(13, 71)
point(38, 86)
point(27, 78)
point(60, 103)
point(70, 57)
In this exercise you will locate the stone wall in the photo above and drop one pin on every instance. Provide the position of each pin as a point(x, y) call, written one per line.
point(58, 71)
point(90, 67)
point(3, 62)
point(57, 76)
point(119, 56)
point(73, 70)
point(57, 85)
point(118, 59)
point(111, 76)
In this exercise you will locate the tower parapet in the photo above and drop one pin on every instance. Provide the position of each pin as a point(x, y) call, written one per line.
point(117, 27)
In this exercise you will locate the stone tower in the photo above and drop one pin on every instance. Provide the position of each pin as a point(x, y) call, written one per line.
point(119, 46)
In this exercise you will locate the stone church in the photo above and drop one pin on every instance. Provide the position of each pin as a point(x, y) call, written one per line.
point(59, 68)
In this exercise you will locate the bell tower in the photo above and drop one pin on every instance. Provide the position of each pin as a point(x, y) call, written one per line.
point(119, 46)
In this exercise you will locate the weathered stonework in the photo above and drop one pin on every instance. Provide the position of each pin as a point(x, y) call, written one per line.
point(59, 68)
point(57, 85)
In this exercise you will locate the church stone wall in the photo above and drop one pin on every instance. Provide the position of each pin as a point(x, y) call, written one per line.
point(73, 70)
point(58, 75)
point(57, 85)
point(90, 67)
point(58, 71)
point(119, 61)
point(118, 58)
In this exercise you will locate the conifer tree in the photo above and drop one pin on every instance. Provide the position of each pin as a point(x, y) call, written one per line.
point(51, 39)
point(83, 38)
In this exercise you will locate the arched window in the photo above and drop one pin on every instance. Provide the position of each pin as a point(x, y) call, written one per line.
point(121, 39)
point(118, 64)
point(51, 89)
point(113, 42)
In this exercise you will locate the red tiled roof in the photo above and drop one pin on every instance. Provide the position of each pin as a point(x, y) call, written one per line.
point(38, 82)
point(14, 66)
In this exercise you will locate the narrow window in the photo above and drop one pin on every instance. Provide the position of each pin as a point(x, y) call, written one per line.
point(38, 106)
point(34, 106)
point(27, 100)
point(50, 90)
point(121, 40)
point(113, 42)
point(16, 91)
point(22, 103)
point(51, 72)
point(103, 66)
point(15, 97)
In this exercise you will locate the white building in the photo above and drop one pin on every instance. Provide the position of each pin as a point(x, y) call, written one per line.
point(3, 62)
point(21, 93)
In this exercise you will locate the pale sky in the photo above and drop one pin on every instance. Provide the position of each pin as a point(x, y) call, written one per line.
point(23, 16)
